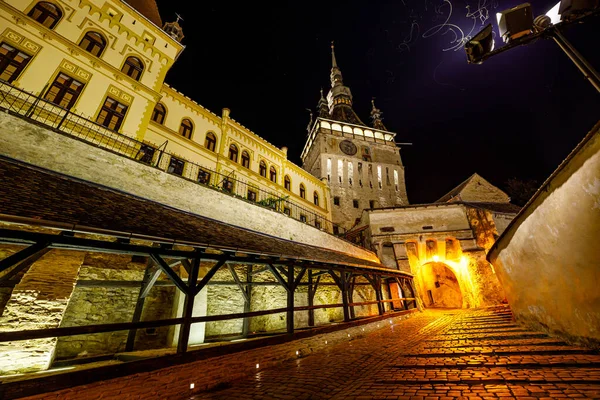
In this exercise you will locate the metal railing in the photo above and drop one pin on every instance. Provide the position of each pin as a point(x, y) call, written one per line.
point(46, 113)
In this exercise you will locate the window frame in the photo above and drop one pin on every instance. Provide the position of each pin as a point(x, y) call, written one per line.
point(273, 174)
point(112, 112)
point(63, 90)
point(287, 183)
point(174, 165)
point(90, 48)
point(245, 159)
point(302, 191)
point(139, 69)
point(8, 59)
point(316, 199)
point(233, 153)
point(186, 128)
point(163, 114)
point(210, 140)
point(47, 13)
point(262, 168)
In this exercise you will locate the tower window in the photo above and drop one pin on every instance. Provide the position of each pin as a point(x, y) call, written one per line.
point(186, 128)
point(287, 183)
point(396, 179)
point(159, 113)
point(211, 141)
point(379, 178)
point(316, 198)
point(262, 168)
point(340, 170)
point(233, 153)
point(371, 203)
point(245, 159)
point(12, 62)
point(329, 170)
point(46, 14)
point(350, 173)
point(387, 176)
point(366, 154)
point(112, 114)
point(273, 174)
point(355, 203)
point(336, 201)
point(302, 191)
point(94, 43)
point(64, 91)
point(133, 68)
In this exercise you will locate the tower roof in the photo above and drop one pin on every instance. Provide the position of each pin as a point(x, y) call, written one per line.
point(148, 9)
point(340, 97)
point(475, 189)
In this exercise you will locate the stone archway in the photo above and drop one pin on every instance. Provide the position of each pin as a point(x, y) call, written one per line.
point(441, 287)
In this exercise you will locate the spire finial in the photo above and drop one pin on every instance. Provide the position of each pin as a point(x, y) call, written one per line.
point(376, 117)
point(323, 107)
point(333, 60)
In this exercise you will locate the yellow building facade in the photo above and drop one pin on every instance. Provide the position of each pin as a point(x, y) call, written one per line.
point(106, 61)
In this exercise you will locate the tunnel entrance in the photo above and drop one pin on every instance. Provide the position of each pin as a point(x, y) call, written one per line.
point(441, 286)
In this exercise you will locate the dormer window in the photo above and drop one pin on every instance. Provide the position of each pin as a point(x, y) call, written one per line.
point(46, 14)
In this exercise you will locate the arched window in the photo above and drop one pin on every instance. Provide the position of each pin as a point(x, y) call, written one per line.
point(133, 67)
point(46, 14)
point(186, 128)
point(211, 141)
point(262, 168)
point(93, 42)
point(302, 191)
point(233, 153)
point(273, 174)
point(287, 183)
point(245, 159)
point(159, 113)
point(316, 198)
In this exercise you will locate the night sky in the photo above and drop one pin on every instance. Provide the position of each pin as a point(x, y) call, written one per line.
point(517, 115)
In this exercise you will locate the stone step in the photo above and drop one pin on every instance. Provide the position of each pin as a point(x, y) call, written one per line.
point(490, 381)
point(505, 352)
point(503, 344)
point(526, 365)
point(474, 327)
point(465, 331)
point(518, 335)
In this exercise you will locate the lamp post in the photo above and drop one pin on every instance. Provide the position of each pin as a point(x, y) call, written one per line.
point(518, 27)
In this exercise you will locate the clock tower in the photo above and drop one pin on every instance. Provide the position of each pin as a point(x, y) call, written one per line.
point(361, 163)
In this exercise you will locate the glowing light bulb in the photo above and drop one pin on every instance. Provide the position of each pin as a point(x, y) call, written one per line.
point(257, 366)
point(348, 335)
point(436, 258)
point(297, 352)
point(191, 385)
point(326, 342)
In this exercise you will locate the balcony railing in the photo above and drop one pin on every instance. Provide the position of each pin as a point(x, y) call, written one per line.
point(43, 112)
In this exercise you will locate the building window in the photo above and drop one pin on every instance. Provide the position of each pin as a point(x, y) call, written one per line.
point(396, 179)
point(340, 170)
point(203, 177)
point(316, 198)
point(350, 173)
point(262, 168)
point(12, 62)
point(336, 201)
point(147, 153)
point(176, 166)
point(302, 218)
point(64, 91)
point(233, 153)
point(227, 185)
point(94, 43)
point(112, 114)
point(251, 195)
point(287, 183)
point(46, 14)
point(379, 176)
point(329, 170)
point(245, 159)
point(355, 203)
point(159, 113)
point(302, 191)
point(371, 203)
point(317, 224)
point(273, 174)
point(287, 211)
point(211, 141)
point(186, 128)
point(387, 176)
point(133, 68)
point(336, 230)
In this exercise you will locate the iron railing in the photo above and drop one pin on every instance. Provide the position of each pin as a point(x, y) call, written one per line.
point(62, 120)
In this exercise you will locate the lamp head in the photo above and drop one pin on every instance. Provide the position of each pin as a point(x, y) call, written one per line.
point(480, 45)
point(515, 22)
point(573, 8)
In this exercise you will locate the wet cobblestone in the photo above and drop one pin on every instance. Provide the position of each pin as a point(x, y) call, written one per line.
point(439, 355)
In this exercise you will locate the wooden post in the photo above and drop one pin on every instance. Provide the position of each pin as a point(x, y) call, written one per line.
point(344, 289)
point(311, 313)
point(150, 276)
point(377, 286)
point(351, 296)
point(290, 300)
point(247, 301)
point(188, 308)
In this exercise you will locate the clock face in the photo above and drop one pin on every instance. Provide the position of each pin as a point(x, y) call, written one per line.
point(348, 147)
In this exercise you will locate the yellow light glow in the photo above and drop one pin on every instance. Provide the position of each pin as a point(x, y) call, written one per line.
point(192, 385)
point(257, 366)
point(436, 258)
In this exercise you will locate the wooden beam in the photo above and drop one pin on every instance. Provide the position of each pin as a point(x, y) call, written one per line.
point(211, 272)
point(299, 277)
point(238, 282)
point(150, 276)
point(351, 296)
point(28, 262)
point(22, 255)
point(279, 278)
point(170, 273)
point(259, 270)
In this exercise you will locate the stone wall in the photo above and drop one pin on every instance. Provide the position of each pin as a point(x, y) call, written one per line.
point(548, 258)
point(30, 143)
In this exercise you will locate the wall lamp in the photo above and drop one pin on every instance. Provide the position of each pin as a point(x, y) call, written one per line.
point(518, 27)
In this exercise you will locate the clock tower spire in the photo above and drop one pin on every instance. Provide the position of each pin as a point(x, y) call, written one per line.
point(339, 97)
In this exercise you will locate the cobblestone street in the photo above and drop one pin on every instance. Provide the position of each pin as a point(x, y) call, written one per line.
point(439, 354)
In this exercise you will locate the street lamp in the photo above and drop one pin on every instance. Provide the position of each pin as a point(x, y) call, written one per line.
point(518, 27)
